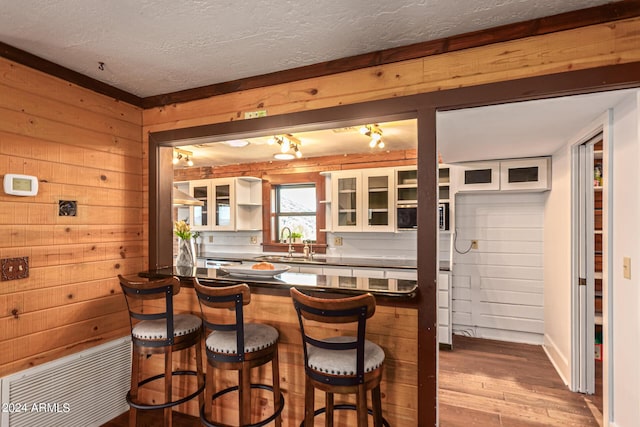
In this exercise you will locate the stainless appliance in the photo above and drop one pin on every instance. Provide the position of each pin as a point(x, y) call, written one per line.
point(443, 216)
point(407, 217)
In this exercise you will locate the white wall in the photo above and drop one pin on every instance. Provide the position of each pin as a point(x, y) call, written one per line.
point(626, 242)
point(498, 288)
point(401, 245)
point(557, 262)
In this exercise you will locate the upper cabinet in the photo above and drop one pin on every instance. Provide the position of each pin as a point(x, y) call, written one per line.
point(362, 200)
point(200, 216)
point(530, 174)
point(230, 204)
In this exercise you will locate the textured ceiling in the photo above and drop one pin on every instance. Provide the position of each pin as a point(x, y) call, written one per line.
point(152, 47)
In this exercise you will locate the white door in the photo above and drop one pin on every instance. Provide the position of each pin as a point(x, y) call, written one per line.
point(584, 262)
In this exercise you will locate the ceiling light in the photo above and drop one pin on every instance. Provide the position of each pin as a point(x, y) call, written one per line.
point(287, 144)
point(237, 143)
point(180, 154)
point(283, 156)
point(375, 133)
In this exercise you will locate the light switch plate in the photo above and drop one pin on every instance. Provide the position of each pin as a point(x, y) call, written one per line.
point(626, 267)
point(14, 268)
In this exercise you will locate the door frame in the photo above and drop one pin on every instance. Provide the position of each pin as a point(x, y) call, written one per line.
point(603, 124)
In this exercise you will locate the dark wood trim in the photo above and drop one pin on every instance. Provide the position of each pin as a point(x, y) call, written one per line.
point(561, 22)
point(424, 108)
point(273, 179)
point(25, 58)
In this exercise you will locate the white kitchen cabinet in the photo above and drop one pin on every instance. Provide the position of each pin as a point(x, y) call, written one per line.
point(223, 196)
point(532, 174)
point(362, 200)
point(528, 174)
point(248, 203)
point(478, 176)
point(230, 204)
point(200, 216)
point(444, 308)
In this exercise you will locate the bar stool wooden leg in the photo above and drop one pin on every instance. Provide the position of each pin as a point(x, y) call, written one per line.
point(208, 393)
point(135, 373)
point(245, 394)
point(361, 404)
point(328, 420)
point(275, 374)
point(376, 402)
point(200, 370)
point(168, 385)
point(309, 399)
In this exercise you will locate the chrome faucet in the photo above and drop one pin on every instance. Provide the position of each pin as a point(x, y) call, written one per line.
point(290, 250)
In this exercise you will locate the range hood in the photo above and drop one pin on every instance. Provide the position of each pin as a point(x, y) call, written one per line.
point(180, 198)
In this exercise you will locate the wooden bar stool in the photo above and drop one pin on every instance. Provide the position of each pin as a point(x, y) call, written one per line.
point(340, 364)
point(160, 331)
point(237, 346)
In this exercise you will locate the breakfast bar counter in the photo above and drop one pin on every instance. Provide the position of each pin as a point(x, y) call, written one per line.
point(379, 287)
point(394, 327)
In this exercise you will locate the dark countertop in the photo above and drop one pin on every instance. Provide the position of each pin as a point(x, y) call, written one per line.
point(396, 288)
point(319, 260)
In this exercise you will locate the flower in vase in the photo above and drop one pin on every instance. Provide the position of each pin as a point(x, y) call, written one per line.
point(182, 230)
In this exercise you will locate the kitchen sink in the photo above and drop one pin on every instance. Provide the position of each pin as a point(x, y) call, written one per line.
point(296, 258)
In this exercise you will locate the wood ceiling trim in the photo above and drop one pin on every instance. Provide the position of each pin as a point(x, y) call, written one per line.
point(564, 21)
point(561, 22)
point(32, 61)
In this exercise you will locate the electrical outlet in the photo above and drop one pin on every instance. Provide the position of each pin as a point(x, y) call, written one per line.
point(255, 114)
point(474, 244)
point(14, 268)
point(337, 241)
point(254, 240)
point(210, 239)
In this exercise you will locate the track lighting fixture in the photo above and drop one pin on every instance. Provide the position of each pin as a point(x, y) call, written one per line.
point(375, 133)
point(289, 147)
point(180, 154)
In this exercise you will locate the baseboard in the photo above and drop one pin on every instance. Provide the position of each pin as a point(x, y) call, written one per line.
point(557, 359)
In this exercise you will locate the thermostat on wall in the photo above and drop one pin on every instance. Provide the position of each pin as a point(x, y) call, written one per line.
point(20, 185)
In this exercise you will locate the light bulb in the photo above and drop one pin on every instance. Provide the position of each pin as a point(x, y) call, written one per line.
point(175, 160)
point(380, 144)
point(364, 130)
point(285, 145)
point(298, 153)
point(376, 136)
point(271, 140)
point(189, 161)
point(372, 143)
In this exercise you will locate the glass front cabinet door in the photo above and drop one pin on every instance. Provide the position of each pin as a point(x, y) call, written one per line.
point(378, 198)
point(223, 192)
point(363, 200)
point(200, 216)
point(346, 194)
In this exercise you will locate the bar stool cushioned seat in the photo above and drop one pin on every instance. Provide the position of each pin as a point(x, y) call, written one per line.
point(343, 362)
point(339, 364)
point(156, 329)
point(256, 337)
point(235, 345)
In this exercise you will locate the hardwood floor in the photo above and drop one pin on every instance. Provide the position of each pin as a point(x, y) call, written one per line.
point(493, 383)
point(482, 383)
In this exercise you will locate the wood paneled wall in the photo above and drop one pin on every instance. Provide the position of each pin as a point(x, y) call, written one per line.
point(84, 147)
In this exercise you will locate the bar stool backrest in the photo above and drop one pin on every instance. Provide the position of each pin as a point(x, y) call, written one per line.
point(228, 297)
point(327, 310)
point(136, 291)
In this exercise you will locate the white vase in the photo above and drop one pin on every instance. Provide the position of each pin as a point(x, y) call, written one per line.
point(186, 253)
